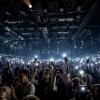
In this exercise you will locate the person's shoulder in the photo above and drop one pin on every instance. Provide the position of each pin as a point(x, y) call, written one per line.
point(73, 99)
point(31, 88)
point(31, 84)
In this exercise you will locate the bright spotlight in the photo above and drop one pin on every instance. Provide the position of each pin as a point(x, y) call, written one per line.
point(81, 72)
point(28, 3)
point(30, 6)
point(64, 54)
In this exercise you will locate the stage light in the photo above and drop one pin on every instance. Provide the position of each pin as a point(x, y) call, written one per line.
point(30, 6)
point(28, 3)
point(64, 54)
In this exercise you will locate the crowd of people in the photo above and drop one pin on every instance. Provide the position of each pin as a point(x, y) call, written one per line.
point(43, 80)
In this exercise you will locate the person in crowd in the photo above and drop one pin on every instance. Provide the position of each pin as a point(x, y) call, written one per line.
point(88, 80)
point(7, 93)
point(7, 76)
point(96, 75)
point(96, 91)
point(62, 86)
point(16, 70)
point(48, 81)
point(45, 86)
point(0, 80)
point(35, 77)
point(25, 87)
point(66, 67)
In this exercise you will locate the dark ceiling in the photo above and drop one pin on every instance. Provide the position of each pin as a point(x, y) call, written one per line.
point(48, 25)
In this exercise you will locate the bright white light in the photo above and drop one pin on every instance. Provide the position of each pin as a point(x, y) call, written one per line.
point(23, 62)
point(96, 63)
point(32, 60)
point(28, 63)
point(51, 59)
point(12, 62)
point(36, 64)
point(82, 88)
point(81, 61)
point(93, 59)
point(76, 67)
point(91, 64)
point(69, 58)
point(36, 56)
point(81, 72)
point(6, 41)
point(87, 57)
point(30, 6)
point(64, 54)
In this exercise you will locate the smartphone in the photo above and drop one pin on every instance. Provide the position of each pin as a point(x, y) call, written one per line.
point(82, 88)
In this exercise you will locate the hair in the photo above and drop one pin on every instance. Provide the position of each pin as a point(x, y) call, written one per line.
point(97, 85)
point(7, 90)
point(25, 72)
point(30, 97)
point(77, 80)
point(65, 58)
